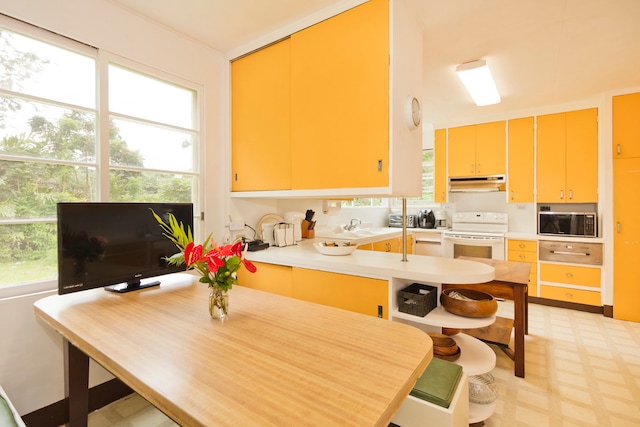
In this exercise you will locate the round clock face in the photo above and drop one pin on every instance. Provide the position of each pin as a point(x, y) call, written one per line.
point(416, 113)
point(413, 113)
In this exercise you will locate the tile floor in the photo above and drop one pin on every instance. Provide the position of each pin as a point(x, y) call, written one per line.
point(582, 369)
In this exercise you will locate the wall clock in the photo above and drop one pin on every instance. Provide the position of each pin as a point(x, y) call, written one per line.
point(413, 113)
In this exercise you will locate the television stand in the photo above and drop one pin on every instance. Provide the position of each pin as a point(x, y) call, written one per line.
point(128, 287)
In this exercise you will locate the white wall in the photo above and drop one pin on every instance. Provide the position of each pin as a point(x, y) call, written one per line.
point(31, 369)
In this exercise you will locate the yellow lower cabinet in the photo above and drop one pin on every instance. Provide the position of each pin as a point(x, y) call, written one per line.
point(570, 274)
point(526, 251)
point(578, 296)
point(354, 293)
point(393, 245)
point(389, 245)
point(273, 278)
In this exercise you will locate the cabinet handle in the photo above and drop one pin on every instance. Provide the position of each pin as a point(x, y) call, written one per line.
point(570, 194)
point(521, 256)
point(569, 295)
point(619, 149)
point(472, 168)
point(442, 197)
point(512, 195)
point(478, 167)
point(235, 177)
point(618, 226)
point(569, 275)
point(388, 247)
point(561, 194)
point(521, 245)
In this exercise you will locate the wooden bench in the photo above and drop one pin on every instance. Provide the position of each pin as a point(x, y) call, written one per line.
point(439, 398)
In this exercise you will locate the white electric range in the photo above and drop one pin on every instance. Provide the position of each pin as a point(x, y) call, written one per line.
point(476, 234)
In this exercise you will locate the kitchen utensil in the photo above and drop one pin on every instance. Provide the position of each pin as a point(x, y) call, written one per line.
point(295, 218)
point(267, 233)
point(268, 218)
point(482, 389)
point(283, 234)
point(468, 302)
point(426, 219)
point(337, 248)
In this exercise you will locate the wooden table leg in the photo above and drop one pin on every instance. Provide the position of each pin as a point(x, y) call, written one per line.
point(526, 311)
point(519, 324)
point(76, 365)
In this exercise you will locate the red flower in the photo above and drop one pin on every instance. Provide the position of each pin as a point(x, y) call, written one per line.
point(237, 251)
point(192, 253)
point(214, 261)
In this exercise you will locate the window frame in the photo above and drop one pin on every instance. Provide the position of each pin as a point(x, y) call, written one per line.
point(102, 60)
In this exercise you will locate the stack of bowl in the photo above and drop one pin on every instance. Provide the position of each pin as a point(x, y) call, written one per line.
point(444, 347)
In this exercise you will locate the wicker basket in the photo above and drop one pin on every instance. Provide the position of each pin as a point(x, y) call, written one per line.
point(417, 299)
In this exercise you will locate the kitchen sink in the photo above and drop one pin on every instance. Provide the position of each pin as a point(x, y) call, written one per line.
point(357, 233)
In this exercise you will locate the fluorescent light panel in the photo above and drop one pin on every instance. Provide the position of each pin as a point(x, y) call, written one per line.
point(478, 81)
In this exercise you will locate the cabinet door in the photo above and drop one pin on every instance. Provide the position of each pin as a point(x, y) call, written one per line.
point(440, 184)
point(521, 155)
point(551, 159)
point(385, 246)
point(626, 235)
point(626, 126)
point(582, 156)
point(354, 293)
point(340, 100)
point(577, 296)
point(462, 151)
point(273, 278)
point(260, 120)
point(570, 274)
point(491, 148)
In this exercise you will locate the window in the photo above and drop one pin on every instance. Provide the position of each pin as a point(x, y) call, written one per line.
point(51, 148)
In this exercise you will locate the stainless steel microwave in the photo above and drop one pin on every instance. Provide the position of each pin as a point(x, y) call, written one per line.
point(578, 224)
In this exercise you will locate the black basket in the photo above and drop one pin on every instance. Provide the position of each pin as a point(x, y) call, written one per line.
point(417, 299)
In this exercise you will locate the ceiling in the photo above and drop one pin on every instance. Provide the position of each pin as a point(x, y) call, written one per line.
point(541, 52)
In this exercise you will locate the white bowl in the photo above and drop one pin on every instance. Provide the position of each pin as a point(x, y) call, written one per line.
point(342, 248)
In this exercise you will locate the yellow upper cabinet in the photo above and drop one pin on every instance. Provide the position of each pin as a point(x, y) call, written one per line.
point(261, 116)
point(626, 126)
point(521, 160)
point(477, 150)
point(567, 157)
point(340, 100)
point(440, 184)
point(462, 151)
point(332, 96)
point(491, 148)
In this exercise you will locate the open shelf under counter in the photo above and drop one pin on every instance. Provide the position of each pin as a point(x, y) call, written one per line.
point(476, 357)
point(479, 412)
point(441, 318)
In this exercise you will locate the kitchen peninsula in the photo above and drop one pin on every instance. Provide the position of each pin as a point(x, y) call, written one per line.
point(368, 282)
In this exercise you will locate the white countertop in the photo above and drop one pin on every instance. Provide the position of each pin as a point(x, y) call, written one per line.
point(381, 265)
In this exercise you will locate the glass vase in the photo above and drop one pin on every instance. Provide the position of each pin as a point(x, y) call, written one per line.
point(218, 303)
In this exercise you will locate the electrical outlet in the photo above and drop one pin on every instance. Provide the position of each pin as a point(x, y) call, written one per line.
point(236, 225)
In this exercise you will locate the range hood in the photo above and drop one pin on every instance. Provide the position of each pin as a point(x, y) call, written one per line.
point(477, 183)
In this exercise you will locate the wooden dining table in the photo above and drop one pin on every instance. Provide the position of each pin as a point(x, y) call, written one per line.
point(274, 361)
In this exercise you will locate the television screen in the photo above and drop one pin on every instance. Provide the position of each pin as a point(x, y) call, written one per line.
point(115, 245)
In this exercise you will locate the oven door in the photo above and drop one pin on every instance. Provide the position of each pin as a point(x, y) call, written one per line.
point(473, 245)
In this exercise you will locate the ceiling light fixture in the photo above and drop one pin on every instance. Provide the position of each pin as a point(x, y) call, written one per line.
point(477, 79)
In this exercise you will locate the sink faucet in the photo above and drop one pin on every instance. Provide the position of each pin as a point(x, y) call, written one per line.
point(352, 224)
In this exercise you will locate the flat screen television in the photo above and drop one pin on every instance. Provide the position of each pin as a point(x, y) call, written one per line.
point(118, 246)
